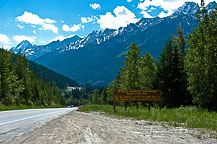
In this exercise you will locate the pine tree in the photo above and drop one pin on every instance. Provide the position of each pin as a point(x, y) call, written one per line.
point(6, 83)
point(147, 72)
point(95, 97)
point(104, 96)
point(131, 67)
point(121, 80)
point(179, 44)
point(201, 61)
point(17, 87)
point(24, 74)
point(110, 91)
point(164, 71)
point(171, 75)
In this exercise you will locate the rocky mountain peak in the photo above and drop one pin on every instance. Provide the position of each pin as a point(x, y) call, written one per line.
point(187, 8)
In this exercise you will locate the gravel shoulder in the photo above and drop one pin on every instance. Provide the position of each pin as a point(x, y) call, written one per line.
point(86, 128)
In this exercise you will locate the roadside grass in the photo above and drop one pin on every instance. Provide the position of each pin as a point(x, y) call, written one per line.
point(190, 116)
point(21, 107)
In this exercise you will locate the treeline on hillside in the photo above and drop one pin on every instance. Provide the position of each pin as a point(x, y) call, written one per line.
point(20, 86)
point(49, 75)
point(185, 76)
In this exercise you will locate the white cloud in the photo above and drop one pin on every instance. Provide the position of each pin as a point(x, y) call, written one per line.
point(74, 28)
point(152, 8)
point(49, 27)
point(4, 39)
point(95, 6)
point(66, 28)
point(168, 5)
point(146, 15)
point(122, 17)
point(6, 47)
point(86, 19)
point(30, 18)
point(34, 32)
point(129, 0)
point(163, 14)
point(20, 26)
point(61, 38)
point(20, 38)
point(82, 26)
point(50, 21)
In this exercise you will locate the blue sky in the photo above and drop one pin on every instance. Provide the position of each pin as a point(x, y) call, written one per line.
point(42, 21)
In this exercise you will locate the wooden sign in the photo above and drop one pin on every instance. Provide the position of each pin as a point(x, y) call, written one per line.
point(137, 95)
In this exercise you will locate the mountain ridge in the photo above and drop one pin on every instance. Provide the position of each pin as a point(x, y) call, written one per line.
point(96, 58)
point(34, 51)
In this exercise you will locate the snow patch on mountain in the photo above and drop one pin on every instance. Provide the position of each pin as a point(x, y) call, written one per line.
point(102, 36)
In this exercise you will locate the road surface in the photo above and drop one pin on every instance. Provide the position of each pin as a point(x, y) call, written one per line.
point(99, 128)
point(16, 122)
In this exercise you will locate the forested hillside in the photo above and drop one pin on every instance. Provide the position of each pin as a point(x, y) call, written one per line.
point(49, 75)
point(20, 86)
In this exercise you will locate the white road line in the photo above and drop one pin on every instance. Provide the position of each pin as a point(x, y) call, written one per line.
point(23, 110)
point(28, 118)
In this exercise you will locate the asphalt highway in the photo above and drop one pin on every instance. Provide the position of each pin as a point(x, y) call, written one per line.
point(16, 122)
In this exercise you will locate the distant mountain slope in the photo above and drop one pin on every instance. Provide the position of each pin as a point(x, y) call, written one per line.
point(97, 58)
point(33, 51)
point(49, 75)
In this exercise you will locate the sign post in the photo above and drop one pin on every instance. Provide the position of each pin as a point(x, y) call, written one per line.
point(137, 96)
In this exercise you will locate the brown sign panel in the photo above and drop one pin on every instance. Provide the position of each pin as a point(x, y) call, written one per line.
point(137, 95)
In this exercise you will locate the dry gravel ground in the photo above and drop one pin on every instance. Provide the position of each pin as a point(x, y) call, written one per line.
point(87, 128)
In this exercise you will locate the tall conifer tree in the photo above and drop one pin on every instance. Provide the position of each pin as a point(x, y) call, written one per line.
point(201, 61)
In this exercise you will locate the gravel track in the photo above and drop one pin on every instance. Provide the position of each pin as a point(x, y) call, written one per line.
point(95, 128)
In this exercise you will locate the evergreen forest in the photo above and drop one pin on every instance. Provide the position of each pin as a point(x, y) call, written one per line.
point(19, 85)
point(185, 72)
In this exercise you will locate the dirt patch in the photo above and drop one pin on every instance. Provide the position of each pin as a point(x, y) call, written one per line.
point(86, 128)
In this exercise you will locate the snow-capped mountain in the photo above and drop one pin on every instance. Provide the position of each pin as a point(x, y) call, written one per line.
point(96, 58)
point(34, 51)
point(23, 47)
point(98, 37)
point(188, 8)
